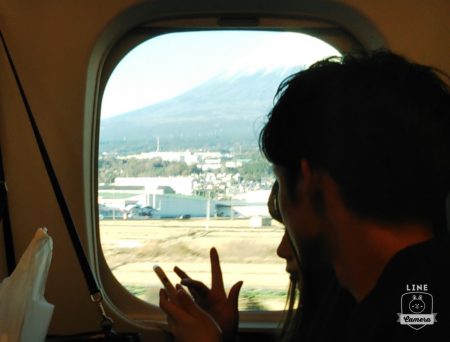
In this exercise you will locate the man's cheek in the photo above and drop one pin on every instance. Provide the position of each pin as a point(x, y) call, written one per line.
point(309, 242)
point(313, 253)
point(300, 225)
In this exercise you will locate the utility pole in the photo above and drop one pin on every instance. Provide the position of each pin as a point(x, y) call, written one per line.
point(208, 209)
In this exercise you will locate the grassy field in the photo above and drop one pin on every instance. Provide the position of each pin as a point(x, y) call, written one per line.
point(132, 248)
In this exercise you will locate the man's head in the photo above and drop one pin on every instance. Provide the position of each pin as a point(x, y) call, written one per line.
point(378, 126)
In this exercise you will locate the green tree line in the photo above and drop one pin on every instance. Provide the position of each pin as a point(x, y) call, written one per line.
point(254, 168)
point(110, 167)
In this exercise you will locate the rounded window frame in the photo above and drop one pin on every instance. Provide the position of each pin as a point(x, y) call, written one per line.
point(133, 27)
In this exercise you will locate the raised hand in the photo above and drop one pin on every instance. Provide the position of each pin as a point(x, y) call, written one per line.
point(187, 321)
point(214, 301)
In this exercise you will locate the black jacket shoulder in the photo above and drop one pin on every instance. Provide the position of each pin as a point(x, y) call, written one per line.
point(411, 300)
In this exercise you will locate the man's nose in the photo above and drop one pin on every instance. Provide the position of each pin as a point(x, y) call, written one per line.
point(284, 249)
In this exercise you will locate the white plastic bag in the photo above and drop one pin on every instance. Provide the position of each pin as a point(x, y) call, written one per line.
point(24, 313)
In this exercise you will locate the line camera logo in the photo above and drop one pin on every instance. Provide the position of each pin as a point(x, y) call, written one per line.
point(416, 307)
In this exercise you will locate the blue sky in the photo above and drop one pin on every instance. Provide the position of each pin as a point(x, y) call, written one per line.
point(170, 64)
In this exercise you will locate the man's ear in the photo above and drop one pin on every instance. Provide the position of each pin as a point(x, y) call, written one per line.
point(307, 174)
point(312, 183)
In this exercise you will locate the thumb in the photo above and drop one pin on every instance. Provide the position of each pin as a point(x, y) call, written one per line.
point(233, 296)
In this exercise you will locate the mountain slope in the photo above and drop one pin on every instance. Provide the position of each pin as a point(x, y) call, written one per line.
point(218, 114)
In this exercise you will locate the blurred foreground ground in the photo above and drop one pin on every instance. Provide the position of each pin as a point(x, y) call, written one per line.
point(132, 247)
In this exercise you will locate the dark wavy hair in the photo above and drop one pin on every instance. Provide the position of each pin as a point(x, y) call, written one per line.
point(378, 124)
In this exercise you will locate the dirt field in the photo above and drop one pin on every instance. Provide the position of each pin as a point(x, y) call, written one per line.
point(249, 254)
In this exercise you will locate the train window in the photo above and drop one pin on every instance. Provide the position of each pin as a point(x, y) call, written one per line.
point(179, 169)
